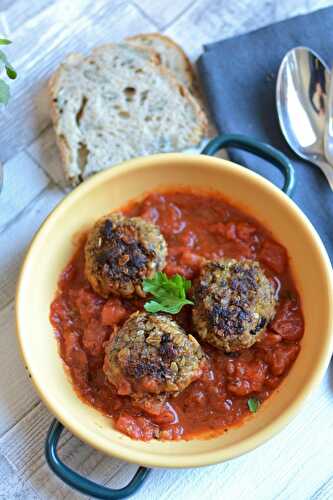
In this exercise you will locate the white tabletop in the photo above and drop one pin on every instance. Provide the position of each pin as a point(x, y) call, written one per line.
point(298, 463)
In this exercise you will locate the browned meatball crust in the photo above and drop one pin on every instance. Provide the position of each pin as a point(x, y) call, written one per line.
point(152, 354)
point(234, 302)
point(120, 252)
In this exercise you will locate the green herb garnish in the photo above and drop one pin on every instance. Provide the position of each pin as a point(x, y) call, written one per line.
point(253, 404)
point(169, 293)
point(10, 71)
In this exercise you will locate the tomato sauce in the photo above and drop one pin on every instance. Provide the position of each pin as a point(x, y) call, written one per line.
point(196, 227)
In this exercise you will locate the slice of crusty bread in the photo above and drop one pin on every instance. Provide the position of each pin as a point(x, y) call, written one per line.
point(117, 104)
point(171, 56)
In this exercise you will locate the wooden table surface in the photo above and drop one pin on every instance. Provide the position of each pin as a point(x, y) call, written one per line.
point(298, 463)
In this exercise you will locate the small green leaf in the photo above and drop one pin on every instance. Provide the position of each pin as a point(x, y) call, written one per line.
point(187, 284)
point(152, 306)
point(253, 404)
point(4, 92)
point(169, 293)
point(11, 73)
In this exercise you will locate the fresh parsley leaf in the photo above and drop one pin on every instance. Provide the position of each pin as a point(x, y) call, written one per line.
point(169, 293)
point(253, 404)
point(11, 73)
point(4, 92)
point(152, 306)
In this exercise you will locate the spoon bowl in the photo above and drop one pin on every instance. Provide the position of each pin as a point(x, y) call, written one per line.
point(301, 96)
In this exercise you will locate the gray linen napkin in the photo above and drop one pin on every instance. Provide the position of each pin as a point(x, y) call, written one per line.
point(239, 76)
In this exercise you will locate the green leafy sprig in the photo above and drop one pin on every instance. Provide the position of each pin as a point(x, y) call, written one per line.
point(10, 71)
point(253, 404)
point(169, 293)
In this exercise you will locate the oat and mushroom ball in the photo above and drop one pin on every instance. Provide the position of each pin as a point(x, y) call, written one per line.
point(151, 354)
point(234, 302)
point(120, 252)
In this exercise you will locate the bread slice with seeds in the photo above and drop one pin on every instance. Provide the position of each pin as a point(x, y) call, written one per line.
point(171, 56)
point(117, 104)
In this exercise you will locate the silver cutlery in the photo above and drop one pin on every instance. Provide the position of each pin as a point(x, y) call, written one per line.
point(328, 136)
point(301, 97)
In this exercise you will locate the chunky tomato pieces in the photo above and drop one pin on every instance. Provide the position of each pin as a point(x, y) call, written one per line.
point(196, 228)
point(274, 256)
point(245, 377)
point(288, 321)
point(113, 312)
point(136, 427)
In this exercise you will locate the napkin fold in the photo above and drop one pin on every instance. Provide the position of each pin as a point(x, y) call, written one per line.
point(239, 77)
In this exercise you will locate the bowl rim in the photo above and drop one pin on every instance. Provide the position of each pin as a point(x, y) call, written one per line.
point(144, 457)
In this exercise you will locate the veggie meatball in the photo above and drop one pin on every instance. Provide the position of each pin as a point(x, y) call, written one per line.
point(234, 302)
point(120, 252)
point(152, 354)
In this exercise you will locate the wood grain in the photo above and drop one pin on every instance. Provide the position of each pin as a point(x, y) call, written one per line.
point(45, 152)
point(36, 58)
point(14, 14)
point(11, 486)
point(15, 239)
point(163, 12)
point(296, 464)
point(17, 193)
point(17, 395)
point(23, 448)
point(218, 20)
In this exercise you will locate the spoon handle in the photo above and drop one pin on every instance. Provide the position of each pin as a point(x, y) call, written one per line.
point(328, 135)
point(327, 170)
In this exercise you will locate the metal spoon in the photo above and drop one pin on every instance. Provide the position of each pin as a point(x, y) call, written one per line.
point(328, 137)
point(301, 93)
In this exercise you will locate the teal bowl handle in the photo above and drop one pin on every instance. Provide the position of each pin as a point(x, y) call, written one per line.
point(258, 148)
point(80, 483)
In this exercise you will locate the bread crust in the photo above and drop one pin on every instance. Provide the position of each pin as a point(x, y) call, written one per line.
point(53, 87)
point(74, 175)
point(187, 66)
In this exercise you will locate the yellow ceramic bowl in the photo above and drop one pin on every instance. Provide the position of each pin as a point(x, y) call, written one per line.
point(52, 247)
